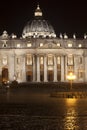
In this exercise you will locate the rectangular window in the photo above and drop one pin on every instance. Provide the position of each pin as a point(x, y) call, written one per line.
point(70, 60)
point(4, 61)
point(70, 67)
point(18, 60)
point(69, 45)
point(58, 63)
point(41, 67)
point(29, 45)
point(41, 60)
point(18, 45)
point(58, 44)
point(41, 44)
point(50, 60)
point(80, 60)
point(80, 75)
point(58, 60)
point(29, 60)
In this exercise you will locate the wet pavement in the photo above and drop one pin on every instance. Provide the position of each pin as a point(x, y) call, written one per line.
point(25, 109)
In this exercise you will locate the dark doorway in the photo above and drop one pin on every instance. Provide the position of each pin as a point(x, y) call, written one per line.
point(4, 74)
point(29, 76)
point(59, 75)
point(50, 75)
point(41, 76)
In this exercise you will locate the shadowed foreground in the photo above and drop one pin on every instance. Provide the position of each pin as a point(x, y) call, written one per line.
point(32, 108)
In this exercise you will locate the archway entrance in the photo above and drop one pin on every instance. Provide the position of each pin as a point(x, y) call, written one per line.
point(29, 75)
point(50, 75)
point(41, 76)
point(4, 74)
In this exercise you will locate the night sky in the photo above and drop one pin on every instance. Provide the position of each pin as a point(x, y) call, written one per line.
point(65, 16)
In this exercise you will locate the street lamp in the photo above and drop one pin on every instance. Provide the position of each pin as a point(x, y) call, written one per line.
point(71, 77)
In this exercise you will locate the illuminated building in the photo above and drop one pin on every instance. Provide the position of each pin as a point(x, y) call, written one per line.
point(40, 56)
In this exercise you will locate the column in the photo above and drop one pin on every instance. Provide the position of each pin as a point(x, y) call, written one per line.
point(62, 68)
point(38, 68)
point(34, 72)
point(45, 68)
point(11, 66)
point(76, 65)
point(23, 66)
point(65, 74)
point(85, 63)
point(15, 76)
point(0, 66)
point(55, 69)
point(15, 65)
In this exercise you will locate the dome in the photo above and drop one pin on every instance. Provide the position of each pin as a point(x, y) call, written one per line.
point(38, 27)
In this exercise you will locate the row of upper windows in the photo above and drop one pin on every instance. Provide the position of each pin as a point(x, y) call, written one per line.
point(50, 60)
point(41, 44)
point(18, 45)
point(69, 45)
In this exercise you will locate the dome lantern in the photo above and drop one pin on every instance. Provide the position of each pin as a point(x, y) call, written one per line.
point(38, 11)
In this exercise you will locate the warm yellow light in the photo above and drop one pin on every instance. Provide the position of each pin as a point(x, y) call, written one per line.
point(69, 45)
point(18, 45)
point(41, 44)
point(58, 44)
point(71, 101)
point(71, 76)
point(80, 45)
point(38, 13)
point(29, 45)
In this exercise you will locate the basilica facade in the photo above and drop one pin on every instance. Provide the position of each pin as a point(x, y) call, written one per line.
point(40, 56)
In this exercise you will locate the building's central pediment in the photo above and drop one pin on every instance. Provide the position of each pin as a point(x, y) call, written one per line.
point(49, 46)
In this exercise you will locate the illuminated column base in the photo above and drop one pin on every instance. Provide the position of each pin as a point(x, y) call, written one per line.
point(62, 68)
point(34, 75)
point(45, 69)
point(55, 69)
point(38, 69)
